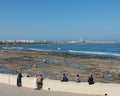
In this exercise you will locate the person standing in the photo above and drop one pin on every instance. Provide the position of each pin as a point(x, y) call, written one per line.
point(39, 82)
point(19, 81)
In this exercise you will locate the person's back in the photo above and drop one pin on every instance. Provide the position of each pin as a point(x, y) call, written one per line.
point(77, 78)
point(65, 79)
point(91, 80)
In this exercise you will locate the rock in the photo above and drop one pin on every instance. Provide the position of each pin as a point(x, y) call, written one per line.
point(44, 61)
point(110, 77)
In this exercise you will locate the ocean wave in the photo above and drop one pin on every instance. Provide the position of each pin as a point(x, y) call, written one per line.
point(95, 53)
point(58, 49)
point(18, 48)
point(23, 48)
point(35, 49)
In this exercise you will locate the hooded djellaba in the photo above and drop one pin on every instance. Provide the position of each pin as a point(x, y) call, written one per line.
point(19, 81)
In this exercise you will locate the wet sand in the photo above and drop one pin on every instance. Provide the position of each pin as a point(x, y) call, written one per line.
point(52, 65)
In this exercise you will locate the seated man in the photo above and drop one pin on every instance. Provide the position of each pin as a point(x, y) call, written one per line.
point(65, 79)
point(91, 80)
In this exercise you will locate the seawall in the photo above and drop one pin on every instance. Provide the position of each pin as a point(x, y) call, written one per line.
point(98, 89)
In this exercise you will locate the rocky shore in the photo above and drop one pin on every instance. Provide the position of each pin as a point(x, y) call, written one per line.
point(52, 65)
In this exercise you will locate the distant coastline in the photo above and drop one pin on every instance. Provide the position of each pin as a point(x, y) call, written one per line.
point(14, 42)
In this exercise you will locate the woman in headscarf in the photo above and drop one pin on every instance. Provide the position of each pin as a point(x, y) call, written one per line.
point(19, 82)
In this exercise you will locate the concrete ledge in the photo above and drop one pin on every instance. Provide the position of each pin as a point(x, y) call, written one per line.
point(55, 85)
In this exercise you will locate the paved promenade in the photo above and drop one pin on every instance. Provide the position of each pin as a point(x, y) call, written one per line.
point(9, 90)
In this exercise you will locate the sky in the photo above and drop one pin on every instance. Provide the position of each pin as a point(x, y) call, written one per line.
point(60, 20)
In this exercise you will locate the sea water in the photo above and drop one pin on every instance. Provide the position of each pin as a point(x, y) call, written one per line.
point(112, 50)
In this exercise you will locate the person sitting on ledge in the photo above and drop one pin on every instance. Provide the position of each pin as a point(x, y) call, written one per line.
point(77, 78)
point(65, 79)
point(90, 80)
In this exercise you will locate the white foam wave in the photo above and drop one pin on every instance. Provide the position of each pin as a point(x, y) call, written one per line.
point(95, 53)
point(116, 54)
point(35, 49)
point(6, 48)
point(58, 48)
point(20, 48)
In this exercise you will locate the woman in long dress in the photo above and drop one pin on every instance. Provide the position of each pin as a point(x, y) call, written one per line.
point(19, 81)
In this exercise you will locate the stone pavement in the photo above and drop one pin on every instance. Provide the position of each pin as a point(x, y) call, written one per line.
point(9, 90)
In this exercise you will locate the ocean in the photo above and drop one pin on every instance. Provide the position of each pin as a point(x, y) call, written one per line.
point(110, 50)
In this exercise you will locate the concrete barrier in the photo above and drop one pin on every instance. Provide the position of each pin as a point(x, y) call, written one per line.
point(56, 85)
point(12, 80)
point(4, 78)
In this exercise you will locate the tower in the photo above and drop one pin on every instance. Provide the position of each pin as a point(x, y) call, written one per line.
point(81, 41)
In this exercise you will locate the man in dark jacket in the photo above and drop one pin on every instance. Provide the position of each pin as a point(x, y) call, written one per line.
point(65, 79)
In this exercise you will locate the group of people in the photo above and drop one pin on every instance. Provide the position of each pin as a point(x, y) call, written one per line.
point(77, 79)
point(38, 80)
point(65, 78)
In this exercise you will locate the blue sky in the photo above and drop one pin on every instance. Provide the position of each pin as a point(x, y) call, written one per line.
point(63, 20)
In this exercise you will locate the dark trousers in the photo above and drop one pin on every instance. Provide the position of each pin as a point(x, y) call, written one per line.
point(39, 85)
